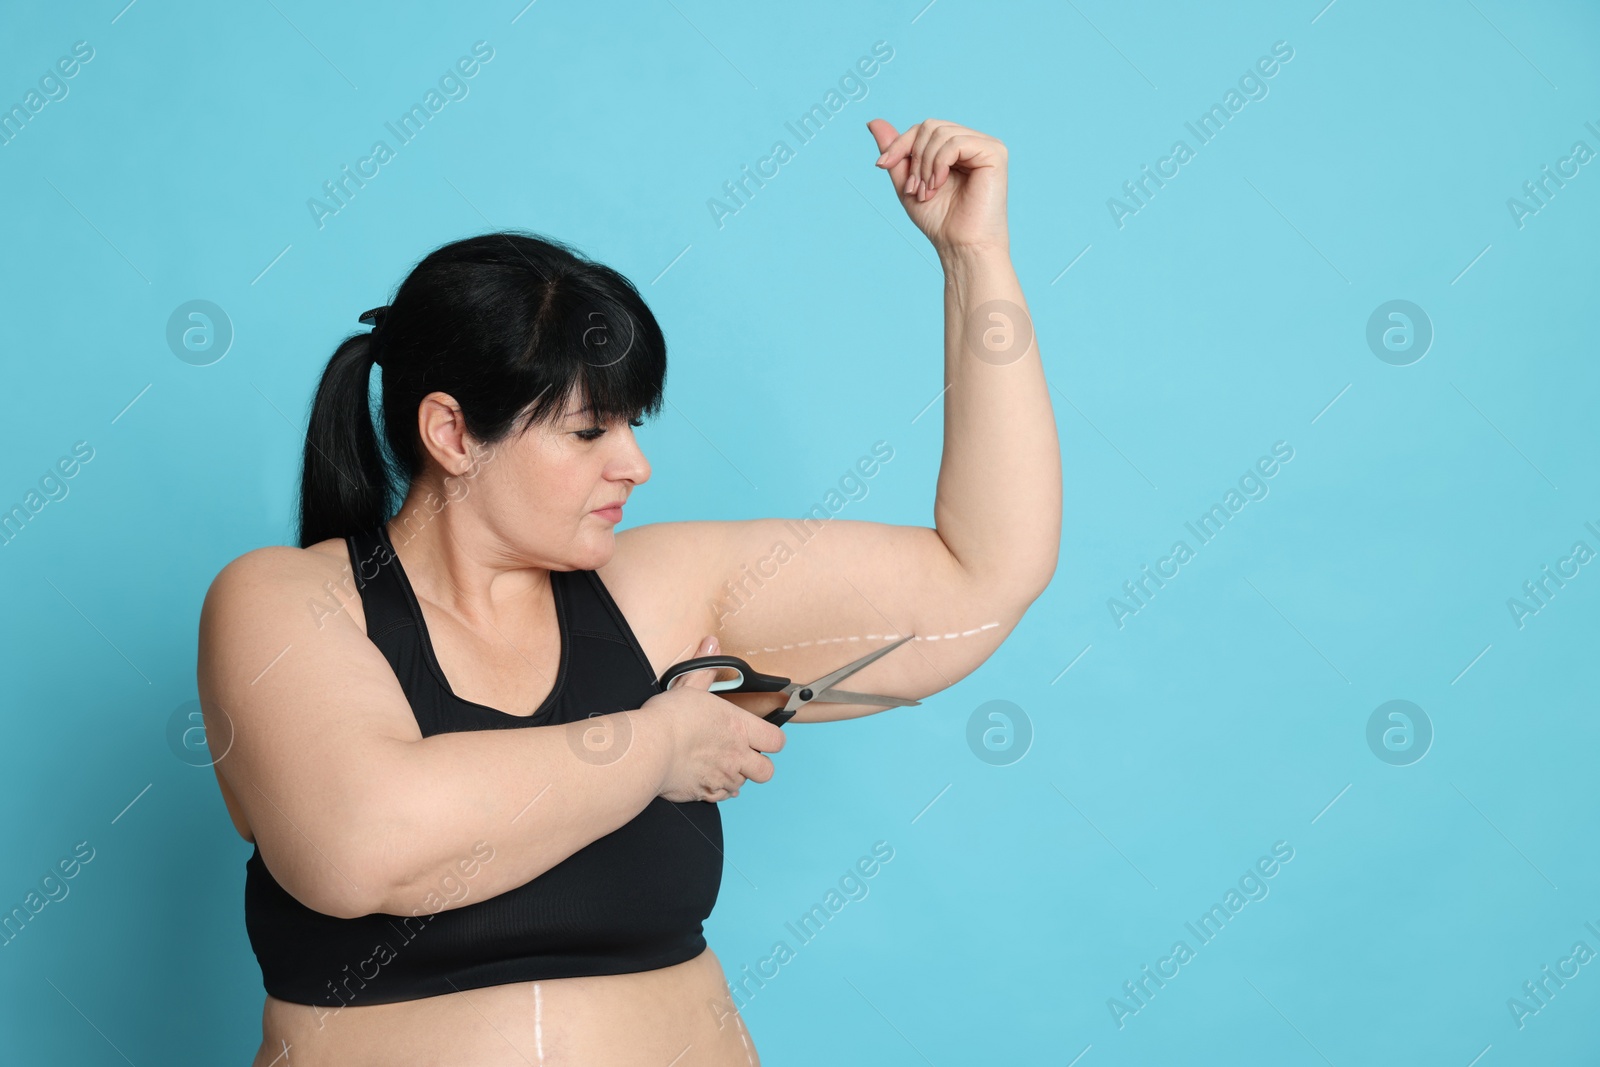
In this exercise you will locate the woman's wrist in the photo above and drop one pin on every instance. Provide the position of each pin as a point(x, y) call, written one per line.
point(655, 733)
point(963, 256)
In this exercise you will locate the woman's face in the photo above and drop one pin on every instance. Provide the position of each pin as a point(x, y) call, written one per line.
point(539, 491)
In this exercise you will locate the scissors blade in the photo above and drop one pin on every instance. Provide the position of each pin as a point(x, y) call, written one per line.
point(822, 684)
point(839, 696)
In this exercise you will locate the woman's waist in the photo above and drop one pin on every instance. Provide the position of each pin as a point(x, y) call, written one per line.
point(648, 1016)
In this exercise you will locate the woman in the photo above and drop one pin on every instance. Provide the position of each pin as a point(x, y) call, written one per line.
point(483, 836)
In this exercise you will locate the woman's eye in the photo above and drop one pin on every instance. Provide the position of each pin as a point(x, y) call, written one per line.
point(595, 433)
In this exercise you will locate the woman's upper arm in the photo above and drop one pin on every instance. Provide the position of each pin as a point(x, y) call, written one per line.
point(304, 717)
point(803, 599)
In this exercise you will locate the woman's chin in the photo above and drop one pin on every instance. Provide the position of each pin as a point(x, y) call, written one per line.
point(597, 550)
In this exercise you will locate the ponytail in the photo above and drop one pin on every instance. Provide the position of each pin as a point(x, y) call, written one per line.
point(345, 483)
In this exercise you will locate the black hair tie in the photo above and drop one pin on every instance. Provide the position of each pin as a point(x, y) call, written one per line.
point(375, 318)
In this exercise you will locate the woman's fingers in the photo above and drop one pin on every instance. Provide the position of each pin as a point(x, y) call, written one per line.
point(944, 155)
point(951, 144)
point(702, 678)
point(884, 134)
point(940, 161)
point(926, 129)
point(896, 157)
point(892, 145)
point(757, 768)
point(924, 152)
point(925, 164)
point(919, 160)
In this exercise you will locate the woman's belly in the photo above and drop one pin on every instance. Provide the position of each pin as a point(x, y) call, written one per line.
point(678, 1016)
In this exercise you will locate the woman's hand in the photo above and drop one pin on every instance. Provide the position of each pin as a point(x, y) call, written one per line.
point(951, 181)
point(716, 746)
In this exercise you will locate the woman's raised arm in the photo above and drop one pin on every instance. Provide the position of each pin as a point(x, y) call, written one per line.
point(802, 597)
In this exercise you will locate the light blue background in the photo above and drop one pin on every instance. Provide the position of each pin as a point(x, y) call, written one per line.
point(1228, 314)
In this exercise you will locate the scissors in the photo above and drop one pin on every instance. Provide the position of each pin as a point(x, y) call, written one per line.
point(799, 694)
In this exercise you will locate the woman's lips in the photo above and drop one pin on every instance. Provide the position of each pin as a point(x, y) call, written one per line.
point(613, 513)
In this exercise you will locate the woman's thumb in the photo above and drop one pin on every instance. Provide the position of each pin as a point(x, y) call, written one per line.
point(703, 678)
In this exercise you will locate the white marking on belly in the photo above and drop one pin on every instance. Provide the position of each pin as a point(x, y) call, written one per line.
point(538, 1024)
point(747, 1051)
point(679, 1056)
point(282, 1055)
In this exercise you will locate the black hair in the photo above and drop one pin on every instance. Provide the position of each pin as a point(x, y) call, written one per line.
point(507, 323)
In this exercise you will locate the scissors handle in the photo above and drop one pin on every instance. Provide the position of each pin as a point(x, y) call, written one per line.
point(749, 680)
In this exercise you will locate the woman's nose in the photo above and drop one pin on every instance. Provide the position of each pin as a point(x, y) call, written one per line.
point(636, 468)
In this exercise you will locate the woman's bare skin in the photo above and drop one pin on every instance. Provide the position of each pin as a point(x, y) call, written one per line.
point(680, 1015)
point(480, 570)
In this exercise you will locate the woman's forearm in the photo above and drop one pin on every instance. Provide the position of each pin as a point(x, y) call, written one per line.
point(470, 814)
point(998, 505)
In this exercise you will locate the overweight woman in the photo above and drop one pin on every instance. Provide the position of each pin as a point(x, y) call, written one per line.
point(483, 833)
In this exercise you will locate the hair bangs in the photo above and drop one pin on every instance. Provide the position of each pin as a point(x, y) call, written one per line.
point(595, 354)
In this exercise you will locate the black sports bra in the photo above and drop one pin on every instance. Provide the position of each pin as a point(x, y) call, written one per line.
point(634, 900)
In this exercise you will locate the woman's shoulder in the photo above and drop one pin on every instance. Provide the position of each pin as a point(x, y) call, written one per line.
point(287, 575)
point(287, 563)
